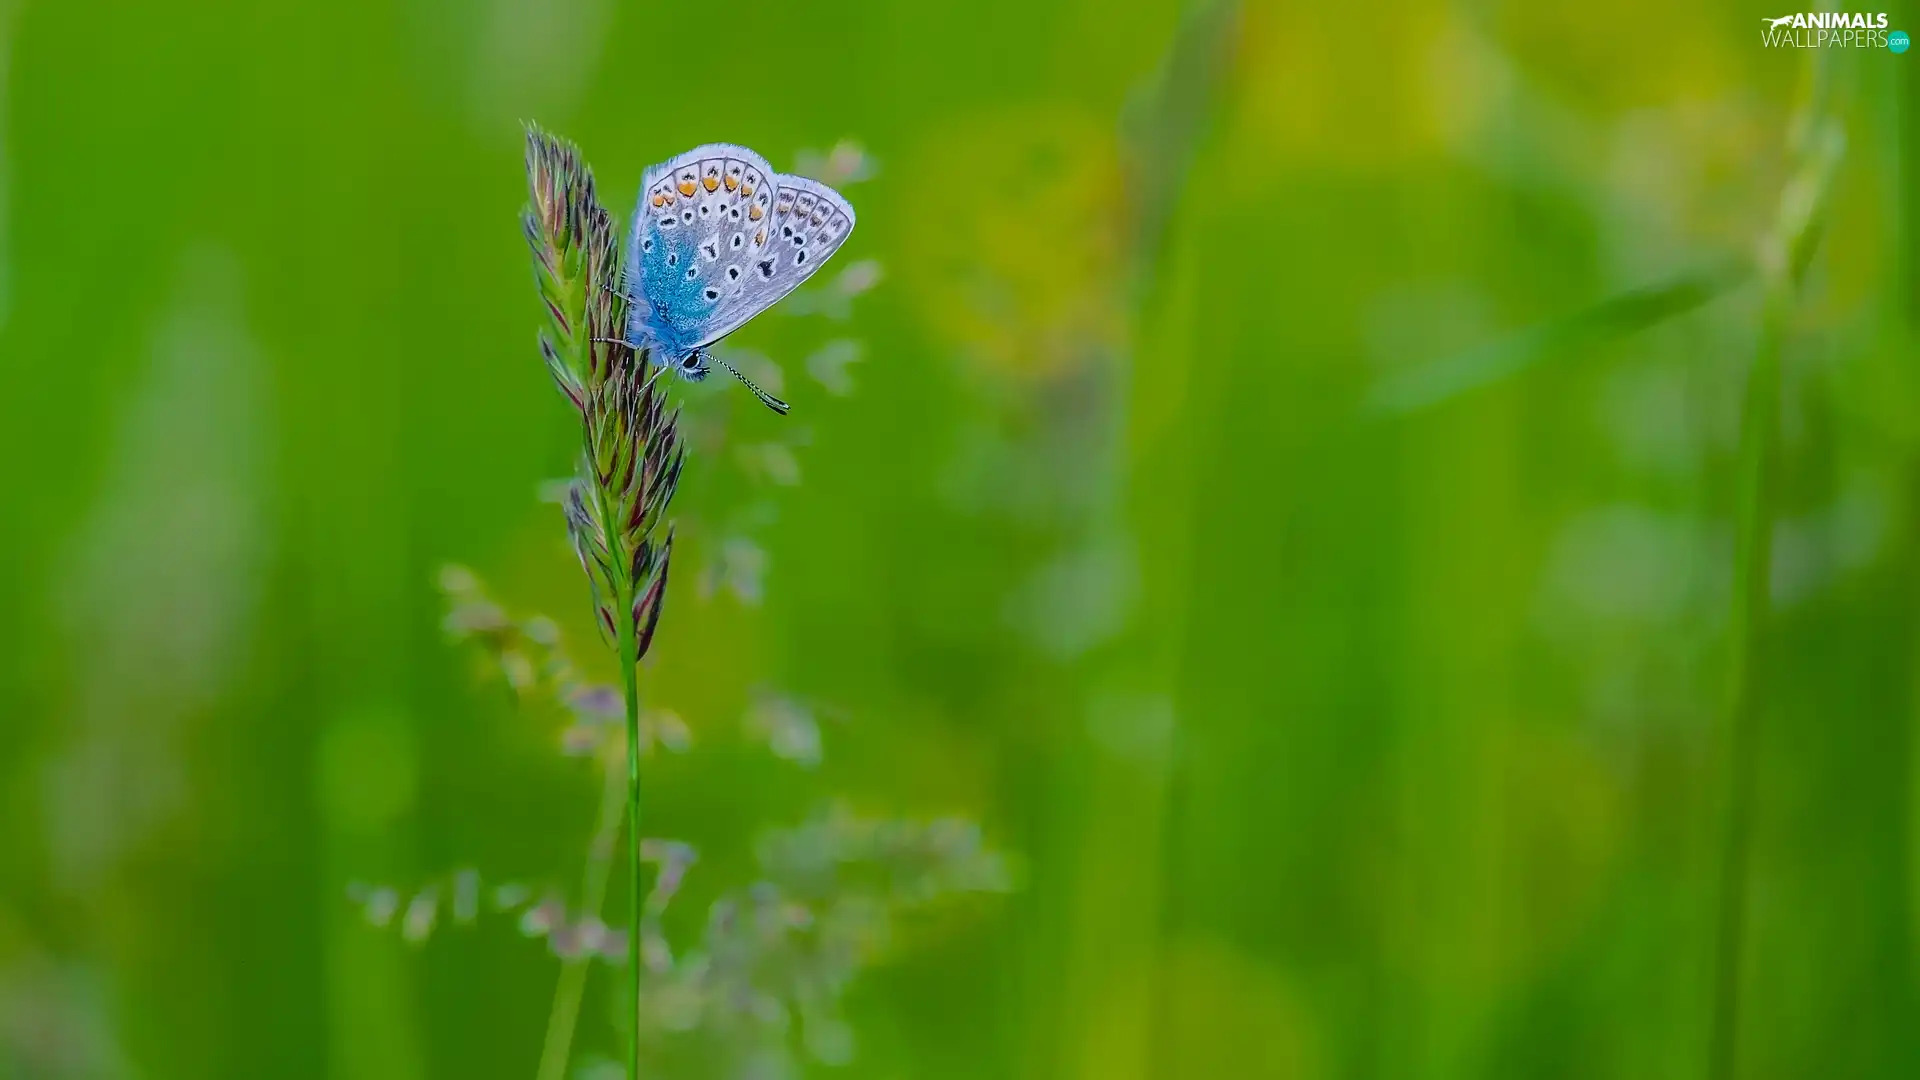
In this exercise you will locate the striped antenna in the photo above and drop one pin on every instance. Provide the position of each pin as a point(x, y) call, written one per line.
point(766, 399)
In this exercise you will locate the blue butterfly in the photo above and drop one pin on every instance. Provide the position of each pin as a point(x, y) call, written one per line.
point(719, 237)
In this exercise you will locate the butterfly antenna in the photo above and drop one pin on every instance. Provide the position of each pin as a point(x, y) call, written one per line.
point(766, 399)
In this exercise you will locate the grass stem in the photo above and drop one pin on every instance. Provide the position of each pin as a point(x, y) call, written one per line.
point(565, 1015)
point(629, 674)
point(1753, 559)
point(1785, 258)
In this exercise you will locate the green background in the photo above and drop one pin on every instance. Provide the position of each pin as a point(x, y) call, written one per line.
point(1289, 498)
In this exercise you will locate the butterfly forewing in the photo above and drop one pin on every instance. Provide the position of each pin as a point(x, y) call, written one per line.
point(689, 229)
point(719, 238)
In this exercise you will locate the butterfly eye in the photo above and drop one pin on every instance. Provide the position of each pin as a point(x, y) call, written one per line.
point(691, 362)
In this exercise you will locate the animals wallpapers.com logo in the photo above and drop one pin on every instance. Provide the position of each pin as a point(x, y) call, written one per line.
point(1831, 29)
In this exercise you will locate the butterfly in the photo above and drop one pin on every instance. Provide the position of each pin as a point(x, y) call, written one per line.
point(717, 238)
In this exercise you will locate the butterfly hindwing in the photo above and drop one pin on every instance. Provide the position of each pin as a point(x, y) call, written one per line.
point(805, 224)
point(720, 237)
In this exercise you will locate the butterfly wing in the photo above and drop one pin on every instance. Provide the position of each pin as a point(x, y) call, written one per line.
point(692, 209)
point(807, 224)
point(719, 238)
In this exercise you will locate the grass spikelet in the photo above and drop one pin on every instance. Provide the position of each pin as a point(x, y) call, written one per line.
point(631, 454)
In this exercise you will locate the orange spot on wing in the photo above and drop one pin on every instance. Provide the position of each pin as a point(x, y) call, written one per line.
point(760, 237)
point(756, 213)
point(733, 182)
point(746, 189)
point(659, 199)
point(687, 187)
point(711, 182)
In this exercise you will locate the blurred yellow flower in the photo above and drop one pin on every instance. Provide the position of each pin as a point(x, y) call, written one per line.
point(1020, 264)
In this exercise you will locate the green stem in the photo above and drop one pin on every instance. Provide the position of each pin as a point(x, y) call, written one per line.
point(629, 664)
point(1753, 561)
point(1797, 234)
point(565, 1015)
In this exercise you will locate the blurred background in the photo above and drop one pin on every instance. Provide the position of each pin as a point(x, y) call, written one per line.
point(1338, 541)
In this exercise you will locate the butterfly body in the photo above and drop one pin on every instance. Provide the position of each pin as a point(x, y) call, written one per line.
point(717, 238)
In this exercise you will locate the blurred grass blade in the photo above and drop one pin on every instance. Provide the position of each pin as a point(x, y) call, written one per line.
point(1612, 318)
point(1785, 256)
point(1165, 120)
